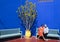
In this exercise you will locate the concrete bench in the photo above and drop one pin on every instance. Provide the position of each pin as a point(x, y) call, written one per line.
point(52, 33)
point(6, 33)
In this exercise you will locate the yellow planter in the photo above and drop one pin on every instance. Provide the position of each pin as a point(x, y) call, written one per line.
point(27, 34)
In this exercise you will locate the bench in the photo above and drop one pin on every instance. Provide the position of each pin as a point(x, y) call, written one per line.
point(54, 33)
point(7, 33)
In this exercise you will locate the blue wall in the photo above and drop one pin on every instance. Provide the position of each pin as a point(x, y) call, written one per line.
point(8, 16)
point(47, 12)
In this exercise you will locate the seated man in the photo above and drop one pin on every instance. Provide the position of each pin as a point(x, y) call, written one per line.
point(46, 30)
point(40, 32)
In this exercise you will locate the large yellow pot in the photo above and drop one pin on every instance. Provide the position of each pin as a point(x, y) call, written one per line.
point(27, 34)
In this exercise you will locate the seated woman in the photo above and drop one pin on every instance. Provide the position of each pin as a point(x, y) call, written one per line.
point(40, 32)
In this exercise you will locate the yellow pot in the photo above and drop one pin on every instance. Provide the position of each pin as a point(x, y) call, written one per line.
point(27, 34)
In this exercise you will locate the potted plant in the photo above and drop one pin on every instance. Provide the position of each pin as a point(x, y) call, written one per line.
point(27, 14)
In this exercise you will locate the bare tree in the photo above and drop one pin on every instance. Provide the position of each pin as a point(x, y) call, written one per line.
point(27, 13)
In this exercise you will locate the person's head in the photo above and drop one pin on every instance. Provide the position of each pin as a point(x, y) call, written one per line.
point(42, 25)
point(45, 25)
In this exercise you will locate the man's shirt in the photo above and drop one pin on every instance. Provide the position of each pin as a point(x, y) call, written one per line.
point(46, 30)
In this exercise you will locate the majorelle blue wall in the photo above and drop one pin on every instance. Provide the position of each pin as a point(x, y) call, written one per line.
point(47, 13)
point(8, 16)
